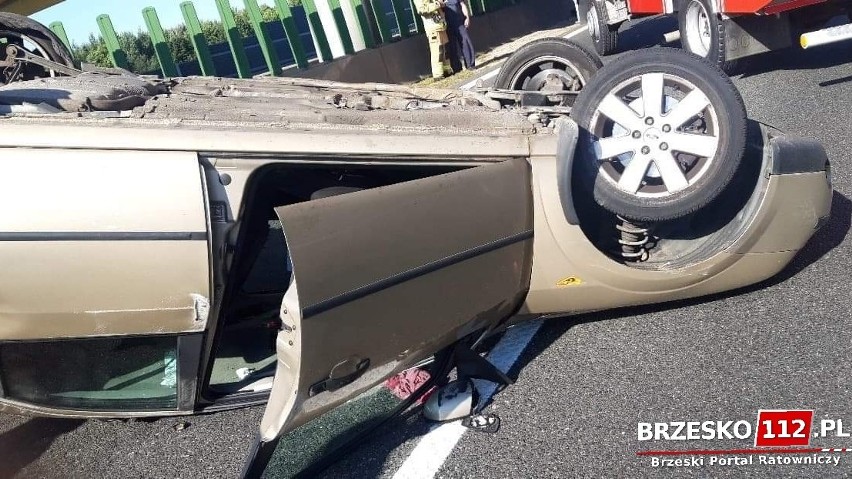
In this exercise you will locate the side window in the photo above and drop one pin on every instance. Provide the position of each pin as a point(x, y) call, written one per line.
point(139, 373)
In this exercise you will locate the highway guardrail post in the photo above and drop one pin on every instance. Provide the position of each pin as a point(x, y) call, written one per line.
point(363, 23)
point(342, 28)
point(292, 33)
point(158, 38)
point(401, 20)
point(381, 21)
point(263, 38)
point(116, 55)
point(235, 40)
point(418, 22)
point(196, 36)
point(323, 49)
point(59, 29)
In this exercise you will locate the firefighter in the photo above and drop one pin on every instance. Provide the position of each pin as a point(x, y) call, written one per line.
point(436, 31)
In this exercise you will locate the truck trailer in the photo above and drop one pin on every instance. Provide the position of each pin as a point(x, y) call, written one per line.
point(724, 31)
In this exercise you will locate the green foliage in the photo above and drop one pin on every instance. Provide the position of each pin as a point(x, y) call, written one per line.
point(140, 51)
point(213, 32)
point(269, 14)
point(243, 23)
point(179, 44)
point(94, 51)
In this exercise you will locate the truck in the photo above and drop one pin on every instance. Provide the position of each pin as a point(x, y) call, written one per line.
point(725, 31)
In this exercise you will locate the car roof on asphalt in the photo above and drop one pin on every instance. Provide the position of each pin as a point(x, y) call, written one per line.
point(257, 104)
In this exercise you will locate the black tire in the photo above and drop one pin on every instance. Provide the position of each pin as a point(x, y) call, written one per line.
point(604, 36)
point(18, 26)
point(520, 70)
point(725, 114)
point(715, 52)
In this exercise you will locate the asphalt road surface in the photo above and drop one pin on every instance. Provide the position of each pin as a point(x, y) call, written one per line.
point(585, 382)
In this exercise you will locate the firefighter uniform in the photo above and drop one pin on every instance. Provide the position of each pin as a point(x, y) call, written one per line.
point(436, 31)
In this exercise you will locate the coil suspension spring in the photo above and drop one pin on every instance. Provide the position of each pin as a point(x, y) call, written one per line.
point(635, 240)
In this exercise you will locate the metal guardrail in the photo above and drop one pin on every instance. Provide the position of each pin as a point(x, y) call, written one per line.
point(296, 39)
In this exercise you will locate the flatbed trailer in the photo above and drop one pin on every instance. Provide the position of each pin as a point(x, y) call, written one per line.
point(725, 31)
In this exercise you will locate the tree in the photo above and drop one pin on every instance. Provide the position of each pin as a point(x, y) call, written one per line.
point(94, 51)
point(243, 23)
point(179, 44)
point(267, 13)
point(213, 32)
point(139, 50)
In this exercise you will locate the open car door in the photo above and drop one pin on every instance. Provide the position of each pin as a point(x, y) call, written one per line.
point(383, 278)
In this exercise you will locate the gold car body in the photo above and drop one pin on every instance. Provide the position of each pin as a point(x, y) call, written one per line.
point(128, 226)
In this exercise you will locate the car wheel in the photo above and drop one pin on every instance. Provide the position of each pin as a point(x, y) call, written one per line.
point(662, 133)
point(604, 36)
point(549, 65)
point(702, 32)
point(37, 39)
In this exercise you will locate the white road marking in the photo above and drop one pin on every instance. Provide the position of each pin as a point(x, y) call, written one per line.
point(573, 33)
point(487, 76)
point(493, 73)
point(435, 446)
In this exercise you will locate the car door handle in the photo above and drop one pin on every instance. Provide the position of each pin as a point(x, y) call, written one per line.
point(343, 373)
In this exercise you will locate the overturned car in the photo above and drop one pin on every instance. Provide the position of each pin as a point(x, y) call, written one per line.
point(187, 245)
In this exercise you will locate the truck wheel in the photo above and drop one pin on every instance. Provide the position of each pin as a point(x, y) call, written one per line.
point(662, 133)
point(702, 32)
point(604, 36)
point(36, 38)
point(549, 64)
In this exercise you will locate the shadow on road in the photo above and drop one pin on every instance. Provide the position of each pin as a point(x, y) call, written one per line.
point(645, 33)
point(25, 443)
point(797, 59)
point(836, 81)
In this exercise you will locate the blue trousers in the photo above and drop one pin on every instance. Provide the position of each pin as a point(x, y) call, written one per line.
point(459, 47)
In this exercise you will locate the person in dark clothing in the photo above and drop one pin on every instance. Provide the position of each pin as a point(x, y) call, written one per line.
point(457, 13)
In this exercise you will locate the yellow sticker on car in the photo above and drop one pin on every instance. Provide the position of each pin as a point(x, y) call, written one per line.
point(569, 281)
